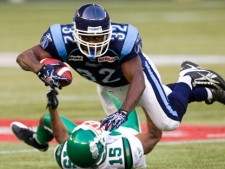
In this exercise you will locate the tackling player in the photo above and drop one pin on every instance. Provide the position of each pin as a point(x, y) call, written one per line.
point(86, 145)
point(110, 54)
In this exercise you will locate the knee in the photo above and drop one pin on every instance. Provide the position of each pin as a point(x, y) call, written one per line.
point(150, 139)
point(155, 135)
point(168, 125)
point(41, 120)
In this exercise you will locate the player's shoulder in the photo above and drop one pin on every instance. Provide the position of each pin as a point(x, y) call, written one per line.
point(123, 27)
point(124, 38)
point(61, 157)
point(61, 27)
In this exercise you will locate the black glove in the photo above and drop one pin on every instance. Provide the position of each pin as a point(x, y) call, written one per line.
point(52, 99)
point(114, 120)
point(49, 76)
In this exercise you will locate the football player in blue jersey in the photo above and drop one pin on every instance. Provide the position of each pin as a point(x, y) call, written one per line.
point(110, 54)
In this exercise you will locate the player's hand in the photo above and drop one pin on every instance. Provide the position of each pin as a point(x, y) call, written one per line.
point(114, 120)
point(52, 101)
point(49, 76)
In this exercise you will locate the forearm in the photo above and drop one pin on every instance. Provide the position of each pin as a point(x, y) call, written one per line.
point(134, 94)
point(133, 72)
point(58, 128)
point(28, 61)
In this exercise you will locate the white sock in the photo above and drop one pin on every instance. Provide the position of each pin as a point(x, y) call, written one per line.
point(210, 97)
point(186, 79)
point(35, 138)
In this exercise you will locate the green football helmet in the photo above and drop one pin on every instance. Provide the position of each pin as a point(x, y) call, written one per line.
point(86, 145)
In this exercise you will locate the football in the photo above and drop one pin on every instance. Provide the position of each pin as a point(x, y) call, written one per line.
point(63, 70)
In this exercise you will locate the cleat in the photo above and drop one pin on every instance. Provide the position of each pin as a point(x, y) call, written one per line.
point(25, 134)
point(201, 77)
point(218, 95)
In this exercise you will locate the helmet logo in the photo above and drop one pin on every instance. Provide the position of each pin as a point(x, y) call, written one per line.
point(87, 136)
point(94, 29)
point(94, 149)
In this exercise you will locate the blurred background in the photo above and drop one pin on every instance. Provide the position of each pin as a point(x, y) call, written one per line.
point(166, 26)
point(172, 31)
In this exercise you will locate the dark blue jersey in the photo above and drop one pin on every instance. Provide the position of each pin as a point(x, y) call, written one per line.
point(106, 70)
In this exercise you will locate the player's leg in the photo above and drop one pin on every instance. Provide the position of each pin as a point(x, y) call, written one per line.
point(42, 136)
point(171, 109)
point(151, 104)
point(214, 84)
point(151, 137)
point(201, 77)
point(44, 133)
point(26, 134)
point(163, 111)
point(159, 108)
point(209, 95)
point(196, 95)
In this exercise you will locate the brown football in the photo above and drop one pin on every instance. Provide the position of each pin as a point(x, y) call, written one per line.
point(63, 70)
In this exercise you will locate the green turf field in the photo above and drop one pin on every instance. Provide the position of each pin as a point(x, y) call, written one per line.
point(192, 27)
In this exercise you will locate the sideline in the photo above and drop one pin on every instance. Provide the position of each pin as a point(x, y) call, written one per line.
point(9, 59)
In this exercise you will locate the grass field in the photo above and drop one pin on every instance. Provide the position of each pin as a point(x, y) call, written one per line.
point(190, 27)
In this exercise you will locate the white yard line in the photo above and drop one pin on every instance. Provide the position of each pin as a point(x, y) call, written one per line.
point(192, 142)
point(22, 151)
point(160, 143)
point(9, 59)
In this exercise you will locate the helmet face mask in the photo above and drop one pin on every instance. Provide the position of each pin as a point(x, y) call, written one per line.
point(86, 145)
point(92, 20)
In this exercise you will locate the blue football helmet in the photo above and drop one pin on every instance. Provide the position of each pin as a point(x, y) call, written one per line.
point(92, 20)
